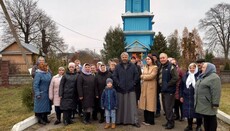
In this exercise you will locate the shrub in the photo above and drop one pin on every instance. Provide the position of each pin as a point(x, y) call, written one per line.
point(227, 67)
point(27, 98)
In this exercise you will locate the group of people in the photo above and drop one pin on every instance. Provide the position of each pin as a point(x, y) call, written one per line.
point(117, 91)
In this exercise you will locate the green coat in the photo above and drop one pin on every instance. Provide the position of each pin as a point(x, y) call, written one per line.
point(207, 94)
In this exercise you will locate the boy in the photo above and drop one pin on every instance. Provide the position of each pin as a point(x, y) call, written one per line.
point(109, 103)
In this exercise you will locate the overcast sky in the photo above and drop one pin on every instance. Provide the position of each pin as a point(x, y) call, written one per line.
point(94, 17)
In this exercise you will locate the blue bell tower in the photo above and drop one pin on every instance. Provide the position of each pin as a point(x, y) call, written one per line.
point(137, 27)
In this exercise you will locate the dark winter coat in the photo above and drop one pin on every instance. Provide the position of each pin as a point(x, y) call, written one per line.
point(41, 91)
point(169, 76)
point(68, 91)
point(138, 84)
point(125, 79)
point(101, 81)
point(188, 95)
point(109, 99)
point(87, 89)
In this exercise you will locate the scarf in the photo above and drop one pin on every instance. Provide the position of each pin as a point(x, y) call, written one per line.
point(191, 78)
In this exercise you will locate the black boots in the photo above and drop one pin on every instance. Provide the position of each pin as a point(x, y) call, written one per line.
point(86, 119)
point(40, 118)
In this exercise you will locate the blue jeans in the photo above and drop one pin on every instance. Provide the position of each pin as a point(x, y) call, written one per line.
point(110, 113)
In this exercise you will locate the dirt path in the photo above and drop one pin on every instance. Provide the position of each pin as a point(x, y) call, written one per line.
point(179, 125)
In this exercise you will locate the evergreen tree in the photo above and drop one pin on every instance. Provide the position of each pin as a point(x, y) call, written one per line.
point(208, 56)
point(173, 48)
point(114, 44)
point(160, 44)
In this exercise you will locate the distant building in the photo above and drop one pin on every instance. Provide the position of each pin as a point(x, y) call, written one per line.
point(13, 54)
point(137, 27)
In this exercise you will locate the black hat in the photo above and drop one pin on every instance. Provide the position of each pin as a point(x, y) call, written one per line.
point(155, 54)
point(200, 60)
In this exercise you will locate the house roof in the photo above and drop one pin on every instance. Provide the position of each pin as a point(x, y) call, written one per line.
point(29, 47)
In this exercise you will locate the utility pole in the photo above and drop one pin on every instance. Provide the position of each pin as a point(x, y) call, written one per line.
point(14, 33)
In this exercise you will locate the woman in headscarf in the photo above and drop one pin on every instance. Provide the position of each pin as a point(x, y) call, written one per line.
point(207, 95)
point(148, 97)
point(100, 78)
point(86, 91)
point(41, 93)
point(54, 93)
point(187, 91)
point(68, 93)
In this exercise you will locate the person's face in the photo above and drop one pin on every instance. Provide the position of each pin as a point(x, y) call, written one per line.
point(109, 85)
point(41, 60)
point(77, 68)
point(192, 69)
point(148, 61)
point(93, 69)
point(200, 65)
point(112, 67)
point(71, 68)
point(154, 58)
point(133, 61)
point(124, 58)
point(204, 66)
point(173, 62)
point(61, 71)
point(87, 68)
point(163, 59)
point(103, 68)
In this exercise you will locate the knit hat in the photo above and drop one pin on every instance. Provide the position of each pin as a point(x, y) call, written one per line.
point(109, 80)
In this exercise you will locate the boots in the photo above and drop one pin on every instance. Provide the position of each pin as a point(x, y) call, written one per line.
point(102, 118)
point(86, 118)
point(113, 126)
point(107, 125)
point(58, 115)
point(40, 120)
point(45, 118)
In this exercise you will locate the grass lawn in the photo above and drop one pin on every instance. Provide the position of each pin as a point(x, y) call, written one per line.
point(11, 108)
point(225, 99)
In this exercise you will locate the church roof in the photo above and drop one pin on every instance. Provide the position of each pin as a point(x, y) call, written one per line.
point(137, 47)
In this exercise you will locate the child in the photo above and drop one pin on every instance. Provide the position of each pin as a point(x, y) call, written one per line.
point(109, 103)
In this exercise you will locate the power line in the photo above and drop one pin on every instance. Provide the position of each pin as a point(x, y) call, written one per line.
point(79, 32)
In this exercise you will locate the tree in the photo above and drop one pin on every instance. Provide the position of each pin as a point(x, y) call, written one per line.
point(114, 44)
point(29, 21)
point(160, 44)
point(86, 56)
point(188, 47)
point(217, 28)
point(198, 43)
point(208, 56)
point(174, 48)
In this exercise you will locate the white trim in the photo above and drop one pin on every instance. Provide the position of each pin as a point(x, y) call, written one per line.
point(22, 125)
point(223, 116)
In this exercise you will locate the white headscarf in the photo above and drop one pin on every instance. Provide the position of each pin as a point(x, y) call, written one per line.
point(191, 77)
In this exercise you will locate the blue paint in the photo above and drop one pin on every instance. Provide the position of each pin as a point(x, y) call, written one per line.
point(137, 27)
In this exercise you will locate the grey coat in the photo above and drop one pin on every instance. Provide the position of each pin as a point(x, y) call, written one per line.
point(207, 92)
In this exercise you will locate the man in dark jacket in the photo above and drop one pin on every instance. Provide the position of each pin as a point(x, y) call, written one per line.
point(126, 76)
point(167, 79)
point(138, 84)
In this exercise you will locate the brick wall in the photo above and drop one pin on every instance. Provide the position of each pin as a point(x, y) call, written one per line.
point(20, 79)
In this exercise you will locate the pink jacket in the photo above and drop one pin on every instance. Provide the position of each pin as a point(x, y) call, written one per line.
point(54, 90)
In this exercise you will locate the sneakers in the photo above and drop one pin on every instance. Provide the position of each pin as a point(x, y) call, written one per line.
point(107, 125)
